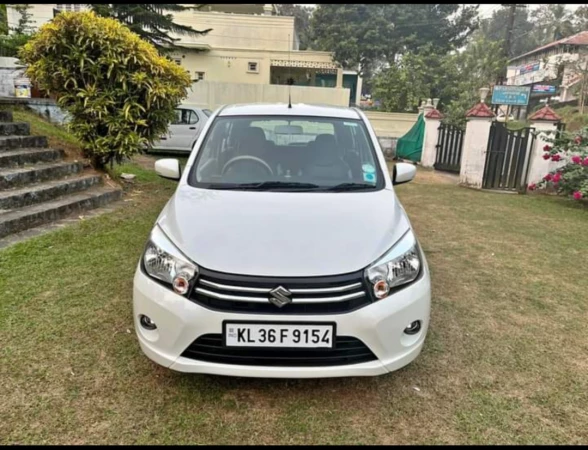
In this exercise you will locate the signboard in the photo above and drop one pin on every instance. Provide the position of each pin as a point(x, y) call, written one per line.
point(511, 95)
point(544, 88)
point(529, 68)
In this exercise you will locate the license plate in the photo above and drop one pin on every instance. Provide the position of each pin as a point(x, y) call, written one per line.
point(279, 335)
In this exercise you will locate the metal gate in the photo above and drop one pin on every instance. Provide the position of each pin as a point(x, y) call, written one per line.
point(507, 158)
point(449, 146)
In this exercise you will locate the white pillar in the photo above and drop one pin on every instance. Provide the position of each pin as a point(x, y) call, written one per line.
point(539, 167)
point(432, 123)
point(339, 78)
point(475, 144)
point(358, 90)
point(544, 121)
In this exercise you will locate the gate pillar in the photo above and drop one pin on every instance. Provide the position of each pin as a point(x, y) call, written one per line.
point(432, 123)
point(475, 145)
point(545, 122)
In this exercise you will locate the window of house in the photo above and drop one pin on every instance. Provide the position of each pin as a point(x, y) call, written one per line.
point(185, 117)
point(178, 61)
point(252, 67)
point(199, 76)
point(68, 7)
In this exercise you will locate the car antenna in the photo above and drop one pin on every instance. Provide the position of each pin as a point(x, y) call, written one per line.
point(290, 80)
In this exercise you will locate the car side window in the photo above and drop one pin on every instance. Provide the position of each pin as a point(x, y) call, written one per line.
point(185, 117)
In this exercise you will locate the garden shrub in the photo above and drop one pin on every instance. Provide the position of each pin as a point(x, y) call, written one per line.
point(119, 92)
point(572, 177)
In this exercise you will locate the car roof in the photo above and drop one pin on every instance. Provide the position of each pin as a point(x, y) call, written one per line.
point(191, 105)
point(281, 109)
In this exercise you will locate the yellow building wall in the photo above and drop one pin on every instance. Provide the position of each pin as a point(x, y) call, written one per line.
point(211, 95)
point(239, 30)
point(391, 124)
point(231, 65)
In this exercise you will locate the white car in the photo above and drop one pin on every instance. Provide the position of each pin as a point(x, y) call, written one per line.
point(283, 257)
point(184, 130)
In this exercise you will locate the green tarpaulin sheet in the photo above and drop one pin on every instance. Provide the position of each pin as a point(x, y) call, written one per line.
point(410, 146)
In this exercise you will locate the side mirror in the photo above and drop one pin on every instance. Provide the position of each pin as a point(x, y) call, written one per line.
point(168, 168)
point(403, 173)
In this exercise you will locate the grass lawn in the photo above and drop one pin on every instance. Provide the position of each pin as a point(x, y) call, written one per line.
point(506, 359)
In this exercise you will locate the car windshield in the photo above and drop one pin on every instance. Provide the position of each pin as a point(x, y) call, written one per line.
point(287, 153)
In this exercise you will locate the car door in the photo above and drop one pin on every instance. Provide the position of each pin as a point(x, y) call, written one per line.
point(183, 130)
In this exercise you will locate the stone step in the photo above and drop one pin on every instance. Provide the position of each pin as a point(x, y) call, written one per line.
point(23, 156)
point(35, 215)
point(14, 142)
point(11, 178)
point(43, 192)
point(15, 129)
point(5, 116)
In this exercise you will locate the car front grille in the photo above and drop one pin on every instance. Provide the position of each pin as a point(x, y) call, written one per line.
point(311, 295)
point(347, 350)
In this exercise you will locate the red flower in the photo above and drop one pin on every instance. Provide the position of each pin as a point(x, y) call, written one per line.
point(546, 156)
point(548, 177)
point(585, 162)
point(578, 140)
point(547, 148)
point(532, 186)
point(556, 157)
point(556, 177)
point(577, 195)
point(576, 159)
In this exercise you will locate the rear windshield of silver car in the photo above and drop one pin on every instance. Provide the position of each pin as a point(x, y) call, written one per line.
point(293, 153)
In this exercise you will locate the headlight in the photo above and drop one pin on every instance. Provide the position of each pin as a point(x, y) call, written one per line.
point(165, 262)
point(399, 266)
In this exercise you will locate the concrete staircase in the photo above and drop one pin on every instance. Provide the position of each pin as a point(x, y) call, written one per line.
point(38, 186)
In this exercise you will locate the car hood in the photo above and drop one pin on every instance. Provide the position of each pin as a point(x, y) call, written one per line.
point(285, 234)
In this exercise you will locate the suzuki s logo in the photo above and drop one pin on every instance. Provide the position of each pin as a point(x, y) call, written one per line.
point(280, 296)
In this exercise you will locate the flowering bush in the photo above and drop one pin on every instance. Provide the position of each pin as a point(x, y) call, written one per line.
point(572, 177)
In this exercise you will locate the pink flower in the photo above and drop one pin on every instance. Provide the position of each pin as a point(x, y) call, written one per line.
point(585, 162)
point(548, 177)
point(556, 157)
point(578, 140)
point(532, 186)
point(546, 156)
point(556, 177)
point(547, 148)
point(577, 195)
point(576, 159)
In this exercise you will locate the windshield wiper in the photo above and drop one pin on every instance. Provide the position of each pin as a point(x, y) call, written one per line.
point(349, 187)
point(268, 185)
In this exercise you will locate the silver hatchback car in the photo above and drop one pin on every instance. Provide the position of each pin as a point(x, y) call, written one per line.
point(184, 130)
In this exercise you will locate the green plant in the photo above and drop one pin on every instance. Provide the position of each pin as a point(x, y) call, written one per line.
point(572, 177)
point(119, 92)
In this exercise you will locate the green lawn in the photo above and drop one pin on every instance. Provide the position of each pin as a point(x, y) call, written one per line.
point(506, 360)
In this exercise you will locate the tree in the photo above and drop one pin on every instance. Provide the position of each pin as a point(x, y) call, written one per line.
point(552, 22)
point(477, 66)
point(356, 33)
point(3, 20)
point(119, 92)
point(154, 23)
point(10, 44)
point(365, 34)
point(523, 36)
point(581, 19)
point(302, 14)
point(415, 76)
point(24, 25)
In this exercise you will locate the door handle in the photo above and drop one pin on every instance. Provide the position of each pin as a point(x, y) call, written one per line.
point(192, 128)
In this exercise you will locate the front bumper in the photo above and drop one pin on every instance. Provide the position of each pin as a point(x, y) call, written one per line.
point(380, 326)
